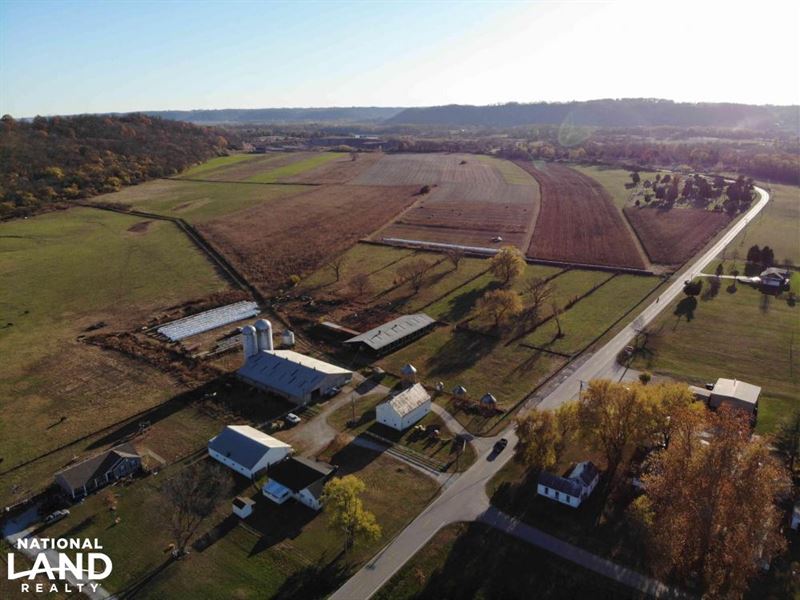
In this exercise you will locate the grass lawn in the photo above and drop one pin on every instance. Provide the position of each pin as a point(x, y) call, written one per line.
point(279, 173)
point(283, 551)
point(743, 335)
point(60, 273)
point(587, 319)
point(216, 164)
point(512, 174)
point(777, 226)
point(442, 449)
point(197, 201)
point(472, 560)
point(614, 181)
point(361, 258)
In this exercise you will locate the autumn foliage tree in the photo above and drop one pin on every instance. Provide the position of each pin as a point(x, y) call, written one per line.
point(507, 264)
point(346, 512)
point(709, 510)
point(500, 306)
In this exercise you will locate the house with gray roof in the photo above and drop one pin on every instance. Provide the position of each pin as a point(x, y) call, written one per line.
point(247, 450)
point(735, 394)
point(573, 489)
point(390, 336)
point(91, 474)
point(300, 478)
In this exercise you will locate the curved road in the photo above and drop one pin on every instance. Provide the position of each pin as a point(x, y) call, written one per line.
point(465, 499)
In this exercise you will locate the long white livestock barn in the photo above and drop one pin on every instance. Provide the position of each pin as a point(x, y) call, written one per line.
point(208, 320)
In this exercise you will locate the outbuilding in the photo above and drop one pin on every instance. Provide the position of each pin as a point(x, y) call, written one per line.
point(243, 507)
point(736, 394)
point(573, 489)
point(247, 450)
point(404, 409)
point(390, 336)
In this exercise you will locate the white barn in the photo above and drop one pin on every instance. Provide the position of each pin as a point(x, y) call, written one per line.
point(247, 450)
point(573, 489)
point(404, 409)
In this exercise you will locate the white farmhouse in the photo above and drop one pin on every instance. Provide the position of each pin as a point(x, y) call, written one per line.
point(247, 450)
point(299, 478)
point(404, 409)
point(573, 489)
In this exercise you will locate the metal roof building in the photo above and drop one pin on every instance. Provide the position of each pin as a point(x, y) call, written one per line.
point(737, 394)
point(395, 333)
point(292, 375)
point(247, 450)
point(404, 409)
point(207, 320)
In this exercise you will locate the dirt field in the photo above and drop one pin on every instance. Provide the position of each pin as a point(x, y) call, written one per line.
point(295, 235)
point(671, 237)
point(472, 199)
point(341, 170)
point(579, 222)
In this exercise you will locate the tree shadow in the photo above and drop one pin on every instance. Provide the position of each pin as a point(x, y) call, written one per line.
point(686, 308)
point(462, 305)
point(276, 522)
point(461, 351)
point(711, 290)
point(317, 580)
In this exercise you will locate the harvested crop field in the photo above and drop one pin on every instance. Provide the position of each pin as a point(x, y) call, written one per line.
point(342, 170)
point(472, 199)
point(578, 222)
point(271, 242)
point(249, 166)
point(671, 237)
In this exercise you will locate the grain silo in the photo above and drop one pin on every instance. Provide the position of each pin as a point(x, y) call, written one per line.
point(249, 343)
point(264, 335)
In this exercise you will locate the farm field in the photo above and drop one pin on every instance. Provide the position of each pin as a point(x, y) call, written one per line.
point(259, 168)
point(301, 164)
point(342, 170)
point(270, 242)
point(579, 222)
point(197, 201)
point(671, 237)
point(738, 333)
point(285, 551)
point(52, 287)
point(777, 226)
point(472, 560)
point(221, 163)
point(471, 199)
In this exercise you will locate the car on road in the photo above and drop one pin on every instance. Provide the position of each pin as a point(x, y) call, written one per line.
point(56, 516)
point(292, 419)
point(500, 445)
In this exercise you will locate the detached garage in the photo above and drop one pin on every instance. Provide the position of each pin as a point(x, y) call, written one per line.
point(406, 408)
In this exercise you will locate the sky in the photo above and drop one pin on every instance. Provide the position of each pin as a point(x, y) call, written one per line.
point(66, 57)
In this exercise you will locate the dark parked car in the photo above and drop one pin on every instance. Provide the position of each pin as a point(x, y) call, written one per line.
point(500, 445)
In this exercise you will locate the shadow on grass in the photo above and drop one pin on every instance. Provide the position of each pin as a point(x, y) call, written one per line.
point(461, 351)
point(462, 305)
point(138, 586)
point(686, 308)
point(317, 580)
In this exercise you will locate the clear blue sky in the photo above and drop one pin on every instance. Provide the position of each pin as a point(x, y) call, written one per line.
point(82, 56)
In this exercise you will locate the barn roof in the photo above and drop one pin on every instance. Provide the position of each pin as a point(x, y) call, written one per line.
point(244, 445)
point(394, 330)
point(561, 484)
point(288, 372)
point(85, 471)
point(409, 399)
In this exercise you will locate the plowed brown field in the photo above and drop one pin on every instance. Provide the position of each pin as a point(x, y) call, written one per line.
point(287, 236)
point(578, 222)
point(671, 237)
point(471, 199)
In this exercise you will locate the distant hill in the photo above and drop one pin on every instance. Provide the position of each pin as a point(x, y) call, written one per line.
point(355, 114)
point(607, 113)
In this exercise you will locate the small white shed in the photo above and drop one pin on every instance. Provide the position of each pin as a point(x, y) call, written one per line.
point(243, 507)
point(404, 409)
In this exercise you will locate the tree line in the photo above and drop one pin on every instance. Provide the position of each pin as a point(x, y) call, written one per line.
point(46, 161)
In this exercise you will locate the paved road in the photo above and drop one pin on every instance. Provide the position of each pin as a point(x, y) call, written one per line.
point(465, 498)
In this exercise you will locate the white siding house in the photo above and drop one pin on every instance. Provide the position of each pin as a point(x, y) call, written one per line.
point(247, 450)
point(573, 489)
point(299, 478)
point(404, 409)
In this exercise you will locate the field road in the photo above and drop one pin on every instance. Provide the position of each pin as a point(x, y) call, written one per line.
point(464, 499)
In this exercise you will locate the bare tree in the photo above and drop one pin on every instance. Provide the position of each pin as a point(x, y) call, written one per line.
point(360, 284)
point(455, 255)
point(336, 264)
point(413, 272)
point(556, 315)
point(539, 291)
point(194, 493)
